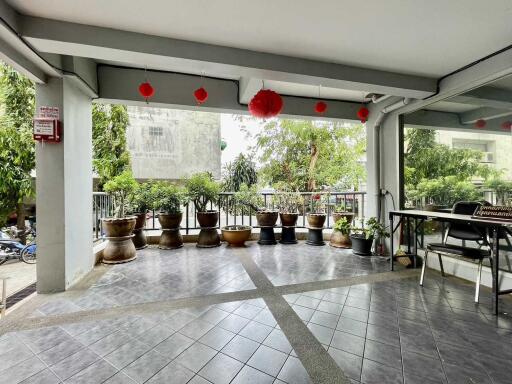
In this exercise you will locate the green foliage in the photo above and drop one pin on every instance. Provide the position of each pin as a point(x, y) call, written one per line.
point(306, 154)
point(445, 190)
point(17, 149)
point(318, 202)
point(201, 190)
point(343, 226)
point(110, 154)
point(141, 199)
point(240, 171)
point(168, 197)
point(248, 196)
point(288, 201)
point(120, 187)
point(503, 188)
point(372, 229)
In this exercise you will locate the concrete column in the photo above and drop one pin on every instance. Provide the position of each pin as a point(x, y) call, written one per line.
point(64, 189)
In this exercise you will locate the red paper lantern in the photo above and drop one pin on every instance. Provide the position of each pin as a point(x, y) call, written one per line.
point(363, 114)
point(201, 95)
point(480, 123)
point(320, 107)
point(266, 103)
point(146, 90)
point(506, 126)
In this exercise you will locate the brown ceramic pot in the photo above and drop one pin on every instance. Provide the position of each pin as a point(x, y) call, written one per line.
point(339, 240)
point(267, 218)
point(139, 237)
point(338, 215)
point(288, 219)
point(120, 247)
point(208, 219)
point(170, 237)
point(316, 220)
point(236, 235)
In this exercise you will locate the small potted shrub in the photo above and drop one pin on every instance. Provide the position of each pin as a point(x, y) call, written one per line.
point(317, 216)
point(288, 203)
point(340, 211)
point(363, 237)
point(168, 200)
point(118, 229)
point(202, 190)
point(237, 235)
point(140, 203)
point(340, 237)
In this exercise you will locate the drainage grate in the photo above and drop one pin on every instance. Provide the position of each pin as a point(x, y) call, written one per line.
point(20, 295)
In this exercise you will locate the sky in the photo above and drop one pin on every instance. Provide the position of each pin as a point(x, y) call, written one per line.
point(235, 138)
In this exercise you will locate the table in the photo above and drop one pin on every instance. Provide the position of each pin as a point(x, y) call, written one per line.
point(491, 225)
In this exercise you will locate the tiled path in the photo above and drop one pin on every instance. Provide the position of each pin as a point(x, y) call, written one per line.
point(275, 314)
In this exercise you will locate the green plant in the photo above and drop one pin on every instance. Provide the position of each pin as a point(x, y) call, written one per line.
point(317, 203)
point(202, 190)
point(120, 187)
point(287, 200)
point(341, 207)
point(141, 198)
point(343, 226)
point(446, 190)
point(167, 197)
point(371, 229)
point(503, 188)
point(240, 171)
point(248, 196)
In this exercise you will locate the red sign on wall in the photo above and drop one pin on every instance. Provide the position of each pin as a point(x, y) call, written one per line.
point(47, 125)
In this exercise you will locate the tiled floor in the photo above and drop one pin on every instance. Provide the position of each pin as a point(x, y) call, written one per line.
point(372, 331)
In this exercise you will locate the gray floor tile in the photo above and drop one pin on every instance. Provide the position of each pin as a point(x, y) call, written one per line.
point(348, 343)
point(277, 340)
point(155, 335)
point(383, 353)
point(196, 329)
point(355, 313)
point(349, 363)
point(174, 345)
point(119, 378)
point(303, 312)
point(375, 373)
point(172, 373)
point(146, 366)
point(14, 356)
point(180, 319)
point(74, 363)
point(325, 319)
point(327, 306)
point(265, 317)
point(21, 371)
point(383, 335)
point(294, 372)
point(127, 353)
point(322, 334)
point(217, 338)
point(198, 380)
point(417, 365)
point(256, 331)
point(240, 348)
point(247, 310)
point(352, 326)
point(196, 357)
point(308, 302)
point(233, 323)
point(109, 343)
point(249, 375)
point(95, 373)
point(221, 369)
point(267, 360)
point(214, 315)
point(43, 377)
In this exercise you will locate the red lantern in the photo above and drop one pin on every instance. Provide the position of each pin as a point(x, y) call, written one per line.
point(480, 123)
point(146, 90)
point(201, 95)
point(363, 114)
point(320, 107)
point(266, 103)
point(506, 126)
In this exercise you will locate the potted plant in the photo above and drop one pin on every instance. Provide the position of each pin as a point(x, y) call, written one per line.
point(237, 235)
point(317, 216)
point(288, 203)
point(362, 237)
point(340, 237)
point(202, 190)
point(340, 211)
point(168, 200)
point(140, 204)
point(118, 229)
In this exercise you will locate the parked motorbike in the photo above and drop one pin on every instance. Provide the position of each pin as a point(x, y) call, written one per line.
point(12, 248)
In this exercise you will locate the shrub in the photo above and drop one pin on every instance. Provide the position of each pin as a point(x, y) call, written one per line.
point(202, 190)
point(343, 226)
point(120, 187)
point(168, 197)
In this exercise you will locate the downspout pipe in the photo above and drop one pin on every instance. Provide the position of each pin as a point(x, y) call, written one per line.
point(376, 148)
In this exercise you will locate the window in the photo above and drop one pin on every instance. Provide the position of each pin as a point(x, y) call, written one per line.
point(156, 131)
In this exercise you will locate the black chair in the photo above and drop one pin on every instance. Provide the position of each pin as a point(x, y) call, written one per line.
point(464, 232)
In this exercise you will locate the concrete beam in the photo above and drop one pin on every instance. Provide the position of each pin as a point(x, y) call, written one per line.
point(448, 121)
point(173, 90)
point(485, 113)
point(248, 87)
point(486, 97)
point(191, 57)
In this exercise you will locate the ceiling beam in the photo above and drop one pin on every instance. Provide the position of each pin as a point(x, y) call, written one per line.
point(485, 113)
point(248, 87)
point(175, 90)
point(486, 97)
point(157, 52)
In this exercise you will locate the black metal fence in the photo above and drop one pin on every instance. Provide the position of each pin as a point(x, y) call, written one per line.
point(229, 214)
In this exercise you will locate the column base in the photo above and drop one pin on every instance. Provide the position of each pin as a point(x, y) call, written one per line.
point(267, 236)
point(288, 236)
point(315, 236)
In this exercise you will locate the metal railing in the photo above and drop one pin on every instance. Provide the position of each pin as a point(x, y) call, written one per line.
point(229, 214)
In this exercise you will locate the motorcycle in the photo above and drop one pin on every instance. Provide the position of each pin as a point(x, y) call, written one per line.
point(11, 247)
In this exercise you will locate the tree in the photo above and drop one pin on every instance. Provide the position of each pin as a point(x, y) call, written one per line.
point(110, 154)
point(307, 154)
point(240, 171)
point(17, 150)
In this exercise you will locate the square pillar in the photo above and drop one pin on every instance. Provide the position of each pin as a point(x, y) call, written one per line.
point(64, 189)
